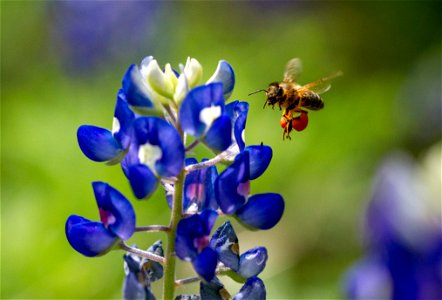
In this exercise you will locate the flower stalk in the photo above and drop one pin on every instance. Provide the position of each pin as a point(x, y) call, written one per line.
point(169, 267)
point(141, 253)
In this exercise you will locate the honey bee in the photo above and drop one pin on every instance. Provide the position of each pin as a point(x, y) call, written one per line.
point(294, 98)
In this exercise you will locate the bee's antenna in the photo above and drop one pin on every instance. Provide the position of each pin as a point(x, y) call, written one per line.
point(257, 92)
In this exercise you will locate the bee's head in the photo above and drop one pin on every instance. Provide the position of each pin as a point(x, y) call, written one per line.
point(273, 92)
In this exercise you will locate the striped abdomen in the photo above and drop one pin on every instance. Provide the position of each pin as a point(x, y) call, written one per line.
point(311, 100)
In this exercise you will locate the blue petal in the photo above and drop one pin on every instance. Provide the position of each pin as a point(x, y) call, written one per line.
point(219, 135)
point(125, 117)
point(131, 263)
point(89, 238)
point(253, 289)
point(228, 194)
point(237, 111)
point(238, 130)
point(224, 74)
point(98, 144)
point(188, 230)
point(209, 182)
point(252, 262)
point(205, 263)
point(260, 157)
point(135, 89)
point(225, 242)
point(208, 217)
point(133, 289)
point(158, 132)
point(192, 229)
point(196, 100)
point(199, 191)
point(116, 212)
point(262, 211)
point(130, 159)
point(142, 180)
point(134, 285)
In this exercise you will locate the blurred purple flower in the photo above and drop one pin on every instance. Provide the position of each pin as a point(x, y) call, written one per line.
point(88, 34)
point(404, 239)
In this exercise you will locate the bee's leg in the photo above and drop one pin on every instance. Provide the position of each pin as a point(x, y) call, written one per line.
point(287, 130)
point(286, 124)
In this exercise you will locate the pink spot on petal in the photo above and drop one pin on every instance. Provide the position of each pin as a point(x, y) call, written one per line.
point(195, 191)
point(244, 188)
point(201, 243)
point(106, 217)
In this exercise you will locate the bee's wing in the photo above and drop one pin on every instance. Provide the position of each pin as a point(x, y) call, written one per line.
point(322, 85)
point(292, 70)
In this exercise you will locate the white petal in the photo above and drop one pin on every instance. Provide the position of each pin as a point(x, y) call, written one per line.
point(193, 72)
point(210, 114)
point(115, 126)
point(158, 81)
point(149, 154)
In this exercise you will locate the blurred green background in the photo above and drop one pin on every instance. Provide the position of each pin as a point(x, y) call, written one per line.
point(62, 64)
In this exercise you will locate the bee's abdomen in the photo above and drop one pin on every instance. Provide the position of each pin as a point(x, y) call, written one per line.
point(312, 101)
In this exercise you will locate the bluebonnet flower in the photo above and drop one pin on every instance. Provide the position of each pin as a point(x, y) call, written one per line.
point(404, 239)
point(156, 152)
point(232, 189)
point(140, 273)
point(202, 115)
point(117, 223)
point(245, 267)
point(252, 289)
point(192, 241)
point(249, 264)
point(100, 144)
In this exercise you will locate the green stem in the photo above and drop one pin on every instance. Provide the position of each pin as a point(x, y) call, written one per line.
point(169, 267)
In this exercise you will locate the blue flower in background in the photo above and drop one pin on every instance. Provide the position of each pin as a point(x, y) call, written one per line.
point(117, 216)
point(90, 34)
point(100, 144)
point(404, 238)
point(192, 243)
point(232, 189)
